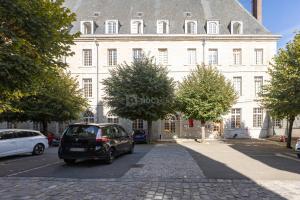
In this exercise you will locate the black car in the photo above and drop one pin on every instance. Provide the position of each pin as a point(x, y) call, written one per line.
point(94, 141)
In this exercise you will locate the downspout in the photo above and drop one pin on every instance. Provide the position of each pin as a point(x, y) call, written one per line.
point(97, 81)
point(203, 51)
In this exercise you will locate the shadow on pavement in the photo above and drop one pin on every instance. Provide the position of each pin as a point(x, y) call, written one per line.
point(240, 185)
point(273, 155)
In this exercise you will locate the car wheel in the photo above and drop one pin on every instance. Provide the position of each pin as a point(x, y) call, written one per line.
point(38, 149)
point(131, 149)
point(69, 161)
point(110, 156)
point(298, 155)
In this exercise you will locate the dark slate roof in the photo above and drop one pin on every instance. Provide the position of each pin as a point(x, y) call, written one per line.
point(173, 10)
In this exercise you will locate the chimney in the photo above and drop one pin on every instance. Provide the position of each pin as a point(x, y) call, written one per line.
point(257, 9)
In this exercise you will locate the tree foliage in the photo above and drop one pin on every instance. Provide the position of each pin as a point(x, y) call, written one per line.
point(141, 90)
point(58, 98)
point(205, 95)
point(281, 96)
point(33, 36)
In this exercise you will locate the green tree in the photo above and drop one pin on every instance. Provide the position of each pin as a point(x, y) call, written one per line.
point(33, 36)
point(58, 98)
point(281, 96)
point(141, 90)
point(205, 95)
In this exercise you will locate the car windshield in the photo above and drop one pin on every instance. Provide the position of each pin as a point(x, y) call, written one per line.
point(82, 130)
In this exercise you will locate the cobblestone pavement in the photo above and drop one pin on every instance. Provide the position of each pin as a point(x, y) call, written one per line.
point(166, 178)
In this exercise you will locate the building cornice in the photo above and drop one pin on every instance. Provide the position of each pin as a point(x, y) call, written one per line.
point(175, 37)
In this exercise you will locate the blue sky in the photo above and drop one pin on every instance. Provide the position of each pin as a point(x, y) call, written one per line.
point(280, 17)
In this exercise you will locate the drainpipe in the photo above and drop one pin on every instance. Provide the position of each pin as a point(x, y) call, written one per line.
point(203, 51)
point(97, 80)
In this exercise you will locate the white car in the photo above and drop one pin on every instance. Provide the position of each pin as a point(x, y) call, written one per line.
point(297, 148)
point(19, 141)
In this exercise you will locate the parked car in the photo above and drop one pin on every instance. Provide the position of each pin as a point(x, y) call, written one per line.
point(19, 141)
point(94, 141)
point(297, 148)
point(139, 136)
point(53, 139)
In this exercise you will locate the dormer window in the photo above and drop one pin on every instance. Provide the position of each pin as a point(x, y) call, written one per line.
point(162, 26)
point(236, 27)
point(87, 27)
point(212, 27)
point(137, 26)
point(111, 26)
point(190, 27)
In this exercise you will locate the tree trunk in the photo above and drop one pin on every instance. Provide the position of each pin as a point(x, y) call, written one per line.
point(203, 130)
point(149, 138)
point(290, 129)
point(45, 127)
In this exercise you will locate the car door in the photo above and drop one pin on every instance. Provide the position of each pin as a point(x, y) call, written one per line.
point(22, 141)
point(126, 140)
point(117, 138)
point(8, 145)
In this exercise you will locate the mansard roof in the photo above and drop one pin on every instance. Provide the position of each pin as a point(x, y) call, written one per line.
point(176, 11)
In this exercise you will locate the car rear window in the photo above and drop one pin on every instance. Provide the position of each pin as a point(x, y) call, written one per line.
point(82, 130)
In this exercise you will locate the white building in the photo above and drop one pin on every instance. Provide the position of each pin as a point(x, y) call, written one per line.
point(180, 34)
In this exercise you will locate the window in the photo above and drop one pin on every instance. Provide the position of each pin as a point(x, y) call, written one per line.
point(87, 87)
point(237, 56)
point(162, 26)
point(192, 57)
point(138, 124)
point(259, 60)
point(236, 118)
point(112, 57)
point(257, 117)
point(170, 124)
point(88, 117)
point(213, 27)
point(190, 27)
point(87, 27)
point(137, 54)
point(111, 27)
point(87, 57)
point(236, 27)
point(112, 118)
point(163, 56)
point(213, 56)
point(137, 26)
point(237, 84)
point(277, 123)
point(258, 82)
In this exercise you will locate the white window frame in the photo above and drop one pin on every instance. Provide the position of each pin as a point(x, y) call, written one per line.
point(138, 124)
point(258, 83)
point(87, 87)
point(241, 27)
point(112, 118)
point(209, 29)
point(82, 27)
point(160, 27)
point(163, 56)
point(213, 59)
point(190, 60)
point(235, 56)
point(87, 59)
point(258, 61)
point(116, 22)
point(186, 26)
point(137, 31)
point(258, 117)
point(277, 123)
point(237, 82)
point(137, 53)
point(112, 57)
point(237, 117)
point(88, 116)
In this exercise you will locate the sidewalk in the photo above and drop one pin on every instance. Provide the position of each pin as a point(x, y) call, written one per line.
point(168, 171)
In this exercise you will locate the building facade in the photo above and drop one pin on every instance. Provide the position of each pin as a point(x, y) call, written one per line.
point(180, 34)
